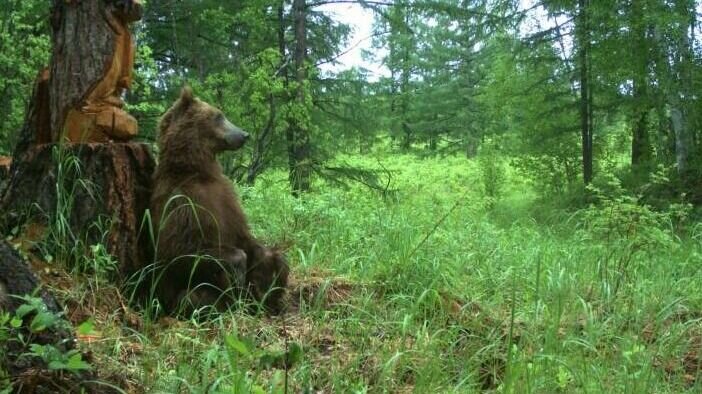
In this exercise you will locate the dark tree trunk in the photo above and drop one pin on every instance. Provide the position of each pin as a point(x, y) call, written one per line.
point(432, 141)
point(472, 146)
point(83, 44)
point(681, 100)
point(641, 150)
point(31, 373)
point(585, 91)
point(298, 135)
point(404, 85)
point(86, 184)
point(17, 279)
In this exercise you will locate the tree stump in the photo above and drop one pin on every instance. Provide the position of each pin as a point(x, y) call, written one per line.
point(96, 192)
point(88, 185)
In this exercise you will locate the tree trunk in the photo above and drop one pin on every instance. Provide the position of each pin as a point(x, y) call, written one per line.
point(472, 145)
point(83, 44)
point(641, 150)
point(87, 193)
point(297, 134)
point(683, 141)
point(405, 83)
point(17, 279)
point(585, 92)
point(30, 372)
point(433, 138)
point(681, 102)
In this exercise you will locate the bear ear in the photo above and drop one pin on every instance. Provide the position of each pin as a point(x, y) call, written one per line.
point(186, 96)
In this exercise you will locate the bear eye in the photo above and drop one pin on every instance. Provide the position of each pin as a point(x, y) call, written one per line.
point(219, 117)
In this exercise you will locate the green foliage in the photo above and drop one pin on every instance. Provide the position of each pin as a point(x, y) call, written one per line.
point(62, 242)
point(240, 352)
point(56, 360)
point(492, 173)
point(629, 233)
point(24, 50)
point(554, 288)
point(39, 319)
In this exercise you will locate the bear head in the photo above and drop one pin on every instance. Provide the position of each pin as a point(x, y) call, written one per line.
point(192, 128)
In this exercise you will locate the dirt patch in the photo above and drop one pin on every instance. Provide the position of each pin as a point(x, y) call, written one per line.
point(318, 289)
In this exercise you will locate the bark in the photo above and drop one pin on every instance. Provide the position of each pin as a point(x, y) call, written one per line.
point(641, 149)
point(585, 92)
point(83, 44)
point(681, 101)
point(36, 128)
point(17, 279)
point(472, 145)
point(433, 141)
point(683, 141)
point(87, 184)
point(298, 135)
point(112, 185)
point(404, 86)
point(30, 374)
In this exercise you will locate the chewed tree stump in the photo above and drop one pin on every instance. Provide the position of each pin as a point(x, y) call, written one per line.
point(100, 190)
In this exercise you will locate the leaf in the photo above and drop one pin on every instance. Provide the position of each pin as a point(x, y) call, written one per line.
point(57, 365)
point(42, 321)
point(280, 359)
point(256, 389)
point(294, 354)
point(86, 328)
point(24, 310)
point(76, 363)
point(16, 322)
point(237, 345)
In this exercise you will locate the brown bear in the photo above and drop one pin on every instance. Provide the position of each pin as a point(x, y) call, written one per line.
point(204, 251)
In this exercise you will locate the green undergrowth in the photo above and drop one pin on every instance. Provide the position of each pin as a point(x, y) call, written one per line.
point(447, 282)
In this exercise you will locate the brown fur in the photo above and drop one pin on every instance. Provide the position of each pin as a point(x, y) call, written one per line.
point(196, 213)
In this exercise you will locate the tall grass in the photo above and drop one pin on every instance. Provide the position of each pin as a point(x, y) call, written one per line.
point(63, 241)
point(432, 292)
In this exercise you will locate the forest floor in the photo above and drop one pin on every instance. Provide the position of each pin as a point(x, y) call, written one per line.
point(434, 287)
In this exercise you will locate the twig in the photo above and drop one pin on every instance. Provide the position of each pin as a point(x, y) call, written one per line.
point(436, 226)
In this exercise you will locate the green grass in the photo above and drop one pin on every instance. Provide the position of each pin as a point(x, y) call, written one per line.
point(436, 289)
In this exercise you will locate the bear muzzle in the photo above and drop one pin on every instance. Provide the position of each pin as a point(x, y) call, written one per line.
point(234, 137)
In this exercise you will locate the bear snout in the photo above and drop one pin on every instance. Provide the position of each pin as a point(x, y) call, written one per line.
point(235, 137)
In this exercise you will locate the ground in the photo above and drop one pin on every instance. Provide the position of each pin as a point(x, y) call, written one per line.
point(390, 294)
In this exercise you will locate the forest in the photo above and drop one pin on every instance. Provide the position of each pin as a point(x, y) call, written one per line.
point(495, 196)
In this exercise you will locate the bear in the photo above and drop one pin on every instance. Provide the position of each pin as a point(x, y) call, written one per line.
point(205, 254)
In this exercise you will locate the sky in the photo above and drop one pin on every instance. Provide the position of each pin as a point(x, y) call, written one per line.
point(361, 21)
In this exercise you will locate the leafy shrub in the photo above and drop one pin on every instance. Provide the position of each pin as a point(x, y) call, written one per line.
point(492, 173)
